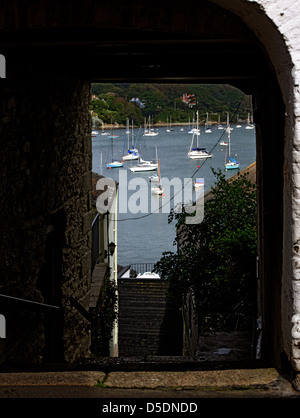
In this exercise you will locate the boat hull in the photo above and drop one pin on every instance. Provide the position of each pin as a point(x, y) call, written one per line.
point(114, 164)
point(194, 155)
point(231, 166)
point(130, 157)
point(198, 184)
point(143, 168)
point(157, 190)
point(151, 134)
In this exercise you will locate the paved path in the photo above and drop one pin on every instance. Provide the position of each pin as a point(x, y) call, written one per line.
point(238, 383)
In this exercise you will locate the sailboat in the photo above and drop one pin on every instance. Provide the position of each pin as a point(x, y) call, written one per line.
point(194, 130)
point(132, 153)
point(103, 131)
point(223, 144)
point(207, 126)
point(249, 124)
point(157, 189)
point(199, 183)
point(143, 166)
point(169, 128)
point(198, 153)
point(230, 162)
point(149, 131)
point(111, 136)
point(219, 123)
point(114, 163)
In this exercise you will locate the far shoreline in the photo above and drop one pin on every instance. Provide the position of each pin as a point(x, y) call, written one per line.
point(165, 124)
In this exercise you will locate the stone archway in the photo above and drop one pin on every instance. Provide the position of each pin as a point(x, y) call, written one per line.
point(246, 43)
point(243, 47)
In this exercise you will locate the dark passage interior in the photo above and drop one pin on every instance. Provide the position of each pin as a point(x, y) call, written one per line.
point(53, 54)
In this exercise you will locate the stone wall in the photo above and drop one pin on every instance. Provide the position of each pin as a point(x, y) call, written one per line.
point(45, 179)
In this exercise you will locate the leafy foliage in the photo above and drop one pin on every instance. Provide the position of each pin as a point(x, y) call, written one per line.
point(217, 258)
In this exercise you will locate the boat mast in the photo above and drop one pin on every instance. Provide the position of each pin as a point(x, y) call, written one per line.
point(197, 129)
point(227, 154)
point(158, 168)
point(127, 132)
point(132, 135)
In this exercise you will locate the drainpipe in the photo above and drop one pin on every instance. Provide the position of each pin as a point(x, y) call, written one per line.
point(115, 328)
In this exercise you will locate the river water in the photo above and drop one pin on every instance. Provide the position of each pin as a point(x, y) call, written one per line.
point(143, 229)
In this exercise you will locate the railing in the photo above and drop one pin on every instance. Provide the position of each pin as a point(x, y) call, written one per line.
point(12, 303)
point(95, 240)
point(142, 267)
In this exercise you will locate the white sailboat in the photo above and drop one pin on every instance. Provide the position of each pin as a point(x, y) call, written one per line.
point(103, 132)
point(198, 153)
point(207, 126)
point(132, 153)
point(230, 162)
point(219, 123)
point(195, 129)
point(169, 127)
point(157, 189)
point(249, 124)
point(237, 122)
point(114, 163)
point(149, 131)
point(143, 166)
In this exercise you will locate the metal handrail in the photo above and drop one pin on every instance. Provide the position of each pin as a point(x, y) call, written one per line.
point(142, 267)
point(13, 303)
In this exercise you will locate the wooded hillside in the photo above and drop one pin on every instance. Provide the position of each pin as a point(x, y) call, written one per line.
point(114, 103)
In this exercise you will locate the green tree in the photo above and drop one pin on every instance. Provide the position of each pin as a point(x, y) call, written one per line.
point(216, 259)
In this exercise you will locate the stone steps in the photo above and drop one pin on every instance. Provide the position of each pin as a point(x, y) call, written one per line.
point(149, 322)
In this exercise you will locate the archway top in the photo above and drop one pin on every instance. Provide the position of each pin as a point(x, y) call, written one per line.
point(214, 41)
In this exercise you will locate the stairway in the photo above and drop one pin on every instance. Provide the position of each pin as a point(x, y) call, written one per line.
point(149, 322)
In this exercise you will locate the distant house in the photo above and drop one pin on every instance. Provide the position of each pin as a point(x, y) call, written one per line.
point(189, 99)
point(138, 102)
